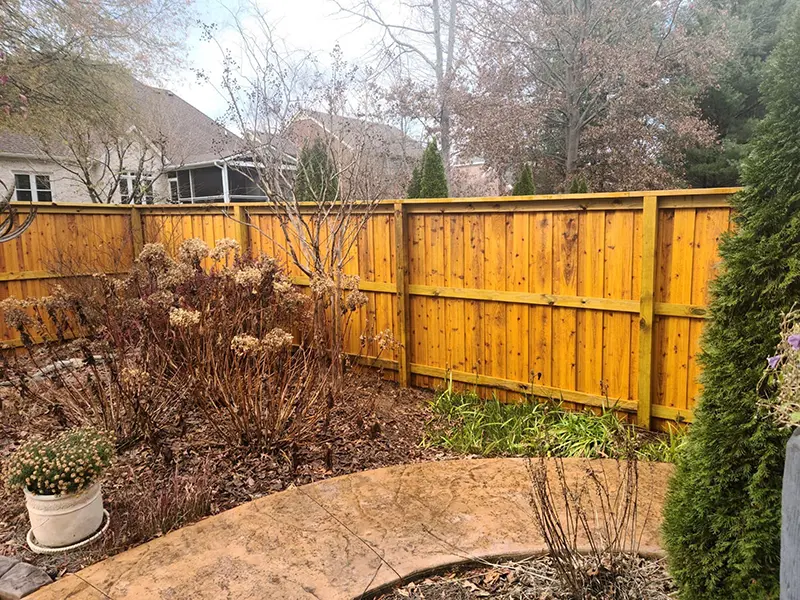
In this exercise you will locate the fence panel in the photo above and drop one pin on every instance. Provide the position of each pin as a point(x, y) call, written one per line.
point(63, 242)
point(596, 299)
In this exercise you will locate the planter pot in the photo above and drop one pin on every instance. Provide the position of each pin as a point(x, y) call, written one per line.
point(58, 521)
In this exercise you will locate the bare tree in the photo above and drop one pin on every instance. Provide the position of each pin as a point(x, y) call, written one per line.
point(421, 41)
point(601, 88)
point(320, 227)
point(49, 51)
point(112, 165)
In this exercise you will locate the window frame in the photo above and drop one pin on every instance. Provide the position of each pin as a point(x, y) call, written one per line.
point(33, 186)
point(126, 181)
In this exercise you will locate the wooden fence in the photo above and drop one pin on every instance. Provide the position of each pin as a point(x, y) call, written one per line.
point(595, 299)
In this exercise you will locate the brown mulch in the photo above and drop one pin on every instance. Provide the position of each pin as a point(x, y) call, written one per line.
point(380, 425)
point(533, 579)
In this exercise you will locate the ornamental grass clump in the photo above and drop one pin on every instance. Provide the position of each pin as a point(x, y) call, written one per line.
point(67, 464)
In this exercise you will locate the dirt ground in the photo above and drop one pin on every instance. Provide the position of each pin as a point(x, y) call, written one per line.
point(148, 496)
point(534, 579)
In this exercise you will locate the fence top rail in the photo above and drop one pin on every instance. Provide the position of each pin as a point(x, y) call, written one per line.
point(577, 198)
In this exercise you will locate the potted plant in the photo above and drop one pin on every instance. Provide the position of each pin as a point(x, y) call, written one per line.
point(61, 481)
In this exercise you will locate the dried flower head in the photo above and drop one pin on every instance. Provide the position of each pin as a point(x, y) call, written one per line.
point(277, 340)
point(322, 285)
point(66, 465)
point(282, 284)
point(224, 247)
point(192, 251)
point(179, 317)
point(350, 282)
point(245, 344)
point(153, 254)
point(133, 377)
point(249, 277)
point(162, 298)
point(355, 300)
point(14, 314)
point(386, 340)
point(175, 275)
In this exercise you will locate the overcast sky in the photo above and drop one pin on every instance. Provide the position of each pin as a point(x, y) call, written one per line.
point(313, 25)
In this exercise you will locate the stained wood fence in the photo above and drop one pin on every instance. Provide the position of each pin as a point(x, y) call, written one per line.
point(594, 299)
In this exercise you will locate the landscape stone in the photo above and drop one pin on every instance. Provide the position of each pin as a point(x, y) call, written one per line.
point(6, 562)
point(22, 579)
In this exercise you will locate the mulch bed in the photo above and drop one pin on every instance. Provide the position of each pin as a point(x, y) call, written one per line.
point(147, 496)
point(533, 579)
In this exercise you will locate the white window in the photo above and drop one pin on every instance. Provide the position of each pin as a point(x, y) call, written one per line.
point(30, 187)
point(174, 195)
point(136, 188)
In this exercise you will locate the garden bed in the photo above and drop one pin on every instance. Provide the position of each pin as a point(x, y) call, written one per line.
point(148, 496)
point(534, 579)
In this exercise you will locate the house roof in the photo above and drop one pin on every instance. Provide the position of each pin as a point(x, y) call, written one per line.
point(12, 142)
point(188, 135)
point(367, 136)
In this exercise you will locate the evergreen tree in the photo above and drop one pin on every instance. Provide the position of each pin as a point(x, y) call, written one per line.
point(433, 181)
point(415, 184)
point(579, 185)
point(317, 180)
point(722, 518)
point(734, 106)
point(523, 186)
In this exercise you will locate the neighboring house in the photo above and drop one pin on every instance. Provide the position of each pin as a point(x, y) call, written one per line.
point(172, 153)
point(377, 158)
point(475, 179)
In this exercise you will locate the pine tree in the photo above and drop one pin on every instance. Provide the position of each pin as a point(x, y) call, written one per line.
point(524, 186)
point(579, 185)
point(316, 180)
point(734, 104)
point(722, 518)
point(415, 184)
point(433, 181)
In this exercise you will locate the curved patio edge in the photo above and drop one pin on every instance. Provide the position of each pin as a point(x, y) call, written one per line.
point(339, 538)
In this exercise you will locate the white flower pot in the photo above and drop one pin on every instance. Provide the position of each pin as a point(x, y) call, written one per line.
point(58, 521)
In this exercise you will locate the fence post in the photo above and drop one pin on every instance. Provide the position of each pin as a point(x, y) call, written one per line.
point(137, 230)
point(401, 280)
point(646, 309)
point(241, 218)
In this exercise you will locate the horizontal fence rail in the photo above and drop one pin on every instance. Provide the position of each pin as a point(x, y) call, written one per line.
point(594, 299)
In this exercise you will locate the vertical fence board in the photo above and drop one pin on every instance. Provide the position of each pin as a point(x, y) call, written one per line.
point(552, 296)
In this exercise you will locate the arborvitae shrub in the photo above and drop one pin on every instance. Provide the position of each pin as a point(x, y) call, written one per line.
point(415, 184)
point(722, 519)
point(524, 186)
point(579, 185)
point(433, 181)
point(317, 180)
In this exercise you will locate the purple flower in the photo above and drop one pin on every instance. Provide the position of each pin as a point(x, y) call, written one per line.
point(773, 361)
point(794, 341)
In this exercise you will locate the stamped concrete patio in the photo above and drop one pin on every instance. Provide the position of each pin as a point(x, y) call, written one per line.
point(339, 538)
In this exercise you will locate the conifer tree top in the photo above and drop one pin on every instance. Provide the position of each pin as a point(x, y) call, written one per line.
point(433, 181)
point(524, 185)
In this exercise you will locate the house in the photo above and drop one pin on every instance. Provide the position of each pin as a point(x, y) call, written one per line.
point(171, 152)
point(473, 178)
point(379, 157)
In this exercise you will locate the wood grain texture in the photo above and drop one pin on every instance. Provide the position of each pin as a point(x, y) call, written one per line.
point(595, 299)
